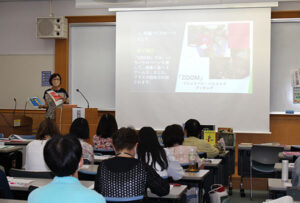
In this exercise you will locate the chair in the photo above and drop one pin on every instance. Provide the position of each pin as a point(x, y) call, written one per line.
point(104, 152)
point(295, 148)
point(263, 159)
point(202, 155)
point(30, 174)
point(294, 192)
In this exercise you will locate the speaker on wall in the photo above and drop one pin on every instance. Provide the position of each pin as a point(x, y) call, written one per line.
point(52, 28)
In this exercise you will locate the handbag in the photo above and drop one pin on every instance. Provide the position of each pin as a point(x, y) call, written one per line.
point(218, 194)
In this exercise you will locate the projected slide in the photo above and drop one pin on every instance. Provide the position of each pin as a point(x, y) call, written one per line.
point(216, 57)
point(194, 57)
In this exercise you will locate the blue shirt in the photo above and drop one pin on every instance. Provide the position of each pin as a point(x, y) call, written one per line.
point(65, 190)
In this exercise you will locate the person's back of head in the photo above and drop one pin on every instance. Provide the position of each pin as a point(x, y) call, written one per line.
point(173, 135)
point(80, 128)
point(47, 127)
point(149, 150)
point(107, 126)
point(125, 138)
point(192, 128)
point(63, 154)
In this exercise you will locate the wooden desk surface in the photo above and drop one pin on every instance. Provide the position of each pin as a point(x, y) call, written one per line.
point(38, 182)
point(7, 149)
point(278, 184)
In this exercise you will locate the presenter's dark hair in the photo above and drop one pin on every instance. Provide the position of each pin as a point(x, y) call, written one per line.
point(124, 138)
point(107, 126)
point(80, 128)
point(62, 154)
point(173, 134)
point(47, 127)
point(149, 150)
point(192, 128)
point(54, 75)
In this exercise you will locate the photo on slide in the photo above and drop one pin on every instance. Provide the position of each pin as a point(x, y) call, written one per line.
point(216, 57)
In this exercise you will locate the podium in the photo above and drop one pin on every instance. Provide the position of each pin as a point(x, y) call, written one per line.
point(11, 123)
point(63, 118)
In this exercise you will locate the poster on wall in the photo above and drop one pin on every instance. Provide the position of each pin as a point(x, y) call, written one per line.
point(296, 85)
point(296, 94)
point(45, 78)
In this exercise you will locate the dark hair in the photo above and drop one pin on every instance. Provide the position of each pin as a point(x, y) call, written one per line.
point(107, 126)
point(125, 138)
point(62, 154)
point(80, 128)
point(193, 128)
point(173, 134)
point(149, 149)
point(47, 127)
point(54, 75)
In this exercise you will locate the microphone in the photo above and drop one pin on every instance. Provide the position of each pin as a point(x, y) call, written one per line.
point(15, 106)
point(84, 97)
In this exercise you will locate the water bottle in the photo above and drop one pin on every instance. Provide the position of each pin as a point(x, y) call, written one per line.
point(192, 161)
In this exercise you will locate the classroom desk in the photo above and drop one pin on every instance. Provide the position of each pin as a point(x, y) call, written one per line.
point(214, 165)
point(19, 143)
point(195, 179)
point(277, 187)
point(8, 154)
point(98, 159)
point(278, 166)
point(12, 201)
point(176, 194)
point(225, 166)
point(38, 182)
point(89, 169)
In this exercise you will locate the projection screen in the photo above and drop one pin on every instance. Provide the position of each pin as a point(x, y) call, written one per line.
point(209, 64)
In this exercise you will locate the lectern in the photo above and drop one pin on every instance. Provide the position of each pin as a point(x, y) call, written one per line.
point(11, 123)
point(63, 117)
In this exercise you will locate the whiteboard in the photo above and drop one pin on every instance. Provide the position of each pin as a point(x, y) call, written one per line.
point(92, 65)
point(285, 56)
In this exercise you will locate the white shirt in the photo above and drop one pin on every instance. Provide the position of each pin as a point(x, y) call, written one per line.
point(174, 169)
point(35, 157)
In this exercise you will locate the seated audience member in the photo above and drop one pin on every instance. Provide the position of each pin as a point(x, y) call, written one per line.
point(124, 178)
point(296, 174)
point(192, 130)
point(63, 155)
point(80, 129)
point(150, 152)
point(34, 150)
point(4, 187)
point(106, 128)
point(173, 137)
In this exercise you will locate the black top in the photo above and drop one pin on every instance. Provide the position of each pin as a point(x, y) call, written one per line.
point(4, 187)
point(60, 90)
point(122, 177)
